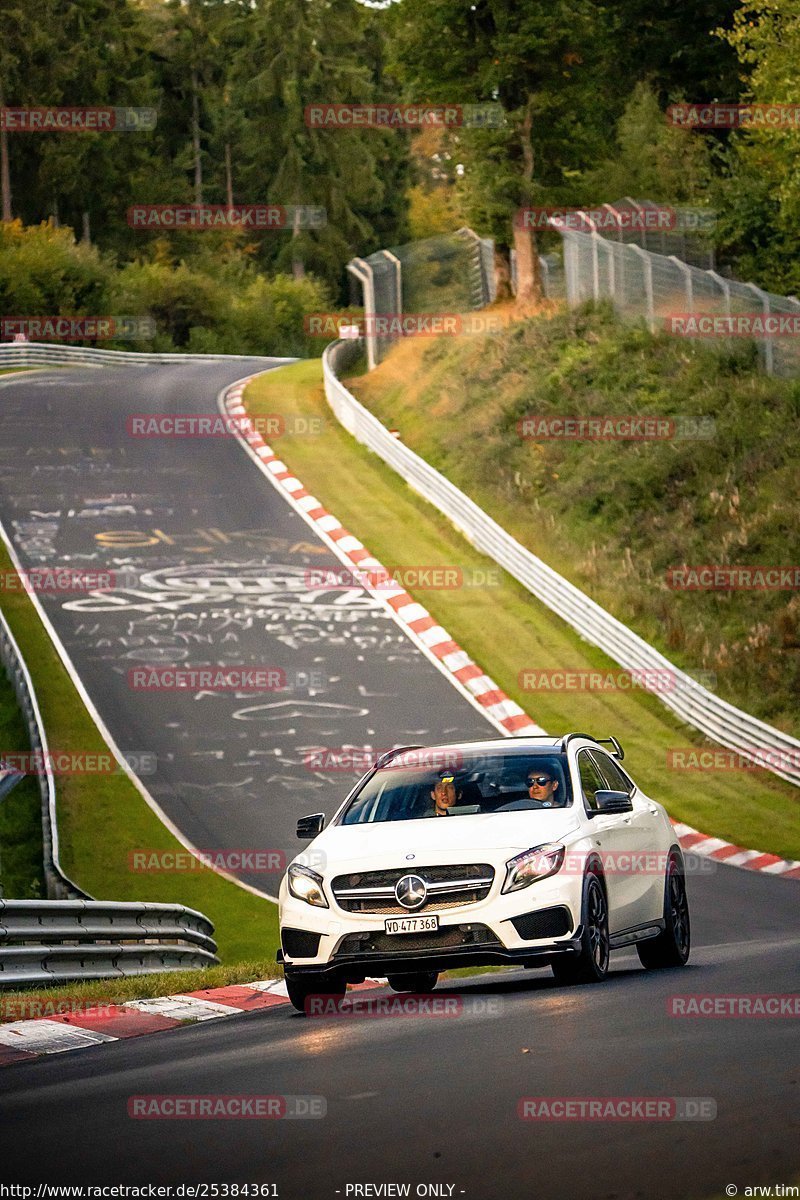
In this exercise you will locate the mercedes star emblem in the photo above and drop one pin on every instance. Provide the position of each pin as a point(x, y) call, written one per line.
point(411, 891)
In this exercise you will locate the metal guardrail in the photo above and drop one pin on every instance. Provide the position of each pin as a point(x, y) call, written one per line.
point(64, 939)
point(43, 354)
point(716, 718)
point(9, 778)
point(57, 882)
point(58, 941)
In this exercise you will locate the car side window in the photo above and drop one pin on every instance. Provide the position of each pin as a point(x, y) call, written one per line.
point(615, 779)
point(591, 779)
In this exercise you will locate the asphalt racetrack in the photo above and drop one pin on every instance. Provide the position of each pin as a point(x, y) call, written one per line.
point(211, 567)
point(424, 1100)
point(219, 564)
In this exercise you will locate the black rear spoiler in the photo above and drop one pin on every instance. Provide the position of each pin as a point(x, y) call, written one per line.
point(616, 750)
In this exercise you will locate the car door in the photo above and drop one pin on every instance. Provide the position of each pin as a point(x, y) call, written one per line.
point(639, 836)
point(612, 839)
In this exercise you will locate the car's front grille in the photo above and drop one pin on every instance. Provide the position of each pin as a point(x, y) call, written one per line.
point(448, 886)
point(451, 937)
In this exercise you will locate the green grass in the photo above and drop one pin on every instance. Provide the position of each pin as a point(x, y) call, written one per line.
point(103, 817)
point(615, 516)
point(32, 1002)
point(506, 630)
point(21, 873)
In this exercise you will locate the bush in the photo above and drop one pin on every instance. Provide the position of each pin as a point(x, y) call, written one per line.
point(45, 272)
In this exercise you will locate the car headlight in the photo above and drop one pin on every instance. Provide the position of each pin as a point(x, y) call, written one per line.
point(305, 884)
point(533, 864)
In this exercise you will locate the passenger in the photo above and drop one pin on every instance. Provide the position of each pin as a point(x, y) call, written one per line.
point(444, 796)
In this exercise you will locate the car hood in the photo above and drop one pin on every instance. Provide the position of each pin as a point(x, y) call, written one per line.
point(451, 839)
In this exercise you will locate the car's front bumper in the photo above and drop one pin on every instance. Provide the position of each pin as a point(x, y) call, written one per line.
point(354, 967)
point(524, 928)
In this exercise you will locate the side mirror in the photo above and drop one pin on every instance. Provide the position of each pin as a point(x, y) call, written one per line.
point(612, 802)
point(309, 827)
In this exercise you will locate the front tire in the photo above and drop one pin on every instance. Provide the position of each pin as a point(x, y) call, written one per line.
point(590, 964)
point(421, 982)
point(672, 946)
point(301, 988)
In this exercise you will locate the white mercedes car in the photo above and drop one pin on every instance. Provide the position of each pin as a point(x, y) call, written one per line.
point(533, 851)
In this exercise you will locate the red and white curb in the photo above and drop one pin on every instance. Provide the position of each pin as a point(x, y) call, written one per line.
point(23, 1040)
point(735, 856)
point(435, 641)
point(504, 713)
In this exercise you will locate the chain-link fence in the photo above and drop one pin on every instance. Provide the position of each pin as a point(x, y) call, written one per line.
point(676, 296)
point(440, 276)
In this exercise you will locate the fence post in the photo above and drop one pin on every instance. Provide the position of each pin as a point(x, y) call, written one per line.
point(726, 289)
point(765, 343)
point(483, 262)
point(595, 261)
point(362, 271)
point(648, 285)
point(635, 204)
point(544, 267)
point(398, 280)
point(686, 271)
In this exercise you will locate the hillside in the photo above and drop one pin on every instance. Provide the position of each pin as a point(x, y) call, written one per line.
point(616, 516)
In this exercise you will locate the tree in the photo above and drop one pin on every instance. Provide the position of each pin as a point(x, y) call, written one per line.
point(760, 191)
point(299, 53)
point(542, 62)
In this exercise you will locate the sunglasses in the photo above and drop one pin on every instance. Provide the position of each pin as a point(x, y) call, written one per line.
point(539, 780)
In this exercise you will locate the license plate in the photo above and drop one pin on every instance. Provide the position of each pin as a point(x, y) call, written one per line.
point(411, 924)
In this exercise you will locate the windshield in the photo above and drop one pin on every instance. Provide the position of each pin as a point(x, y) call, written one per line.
point(470, 785)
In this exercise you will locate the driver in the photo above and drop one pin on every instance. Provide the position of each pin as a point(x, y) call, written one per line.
point(542, 787)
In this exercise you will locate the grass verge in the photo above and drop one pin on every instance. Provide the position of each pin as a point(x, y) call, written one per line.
point(616, 516)
point(21, 873)
point(102, 818)
point(506, 630)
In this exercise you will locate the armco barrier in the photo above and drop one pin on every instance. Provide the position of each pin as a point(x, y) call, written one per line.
point(46, 354)
point(716, 718)
point(57, 941)
point(57, 883)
